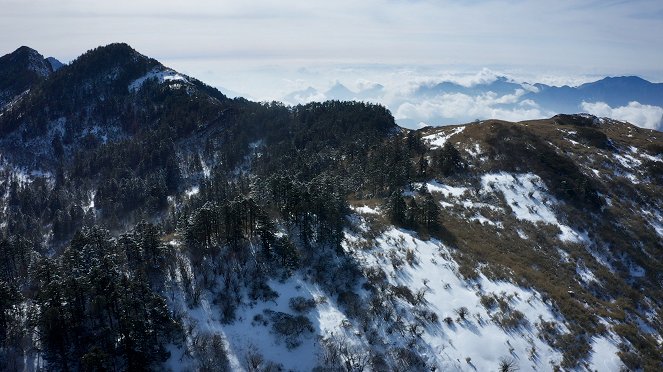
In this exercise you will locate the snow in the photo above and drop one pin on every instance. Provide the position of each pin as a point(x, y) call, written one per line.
point(160, 74)
point(604, 356)
point(657, 225)
point(245, 334)
point(468, 204)
point(446, 190)
point(485, 221)
point(658, 158)
point(444, 204)
point(477, 337)
point(205, 167)
point(574, 143)
point(366, 210)
point(194, 190)
point(475, 152)
point(627, 161)
point(585, 274)
point(527, 197)
point(438, 140)
point(90, 205)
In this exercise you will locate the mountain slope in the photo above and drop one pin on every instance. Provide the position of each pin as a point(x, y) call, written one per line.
point(170, 227)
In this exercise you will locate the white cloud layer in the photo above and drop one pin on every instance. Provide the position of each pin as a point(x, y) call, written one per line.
point(645, 116)
point(458, 107)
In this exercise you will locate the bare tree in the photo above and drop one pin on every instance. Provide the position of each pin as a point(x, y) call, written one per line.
point(508, 365)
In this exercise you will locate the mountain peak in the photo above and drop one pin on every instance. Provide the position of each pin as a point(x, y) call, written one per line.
point(29, 58)
point(25, 50)
point(19, 71)
point(114, 54)
point(55, 63)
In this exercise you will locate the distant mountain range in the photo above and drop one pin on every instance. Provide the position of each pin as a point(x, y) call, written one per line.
point(428, 102)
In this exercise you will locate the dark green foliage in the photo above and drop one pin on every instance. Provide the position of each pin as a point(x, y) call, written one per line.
point(575, 120)
point(397, 208)
point(301, 304)
point(447, 160)
point(97, 312)
point(290, 327)
point(654, 171)
point(593, 137)
point(430, 211)
point(16, 76)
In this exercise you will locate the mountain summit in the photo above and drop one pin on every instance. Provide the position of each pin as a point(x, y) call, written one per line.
point(19, 71)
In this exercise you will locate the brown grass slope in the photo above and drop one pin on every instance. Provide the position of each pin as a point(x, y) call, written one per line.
point(608, 179)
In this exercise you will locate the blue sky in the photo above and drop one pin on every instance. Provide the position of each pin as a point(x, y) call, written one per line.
point(266, 48)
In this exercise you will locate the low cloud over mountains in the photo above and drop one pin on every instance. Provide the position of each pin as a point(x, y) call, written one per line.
point(486, 95)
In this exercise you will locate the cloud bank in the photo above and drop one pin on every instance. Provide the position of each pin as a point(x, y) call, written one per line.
point(459, 108)
point(645, 116)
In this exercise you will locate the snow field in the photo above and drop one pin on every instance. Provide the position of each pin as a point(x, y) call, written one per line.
point(476, 337)
point(246, 335)
point(527, 197)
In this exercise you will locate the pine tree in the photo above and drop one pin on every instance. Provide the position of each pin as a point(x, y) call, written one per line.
point(397, 208)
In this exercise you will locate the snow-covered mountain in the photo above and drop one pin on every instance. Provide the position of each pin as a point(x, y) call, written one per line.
point(150, 222)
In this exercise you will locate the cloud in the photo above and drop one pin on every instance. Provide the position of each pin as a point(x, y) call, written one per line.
point(460, 107)
point(645, 116)
point(566, 34)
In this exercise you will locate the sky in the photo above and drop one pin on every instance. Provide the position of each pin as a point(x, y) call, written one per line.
point(265, 49)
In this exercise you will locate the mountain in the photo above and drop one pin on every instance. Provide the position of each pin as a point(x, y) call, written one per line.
point(501, 85)
point(19, 71)
point(55, 64)
point(336, 92)
point(615, 91)
point(150, 222)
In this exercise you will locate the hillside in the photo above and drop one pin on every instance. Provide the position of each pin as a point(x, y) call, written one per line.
point(150, 222)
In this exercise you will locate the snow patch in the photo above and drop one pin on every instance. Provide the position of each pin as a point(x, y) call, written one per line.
point(527, 197)
point(366, 210)
point(160, 74)
point(438, 140)
point(446, 190)
point(604, 355)
point(585, 274)
point(485, 221)
point(194, 190)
